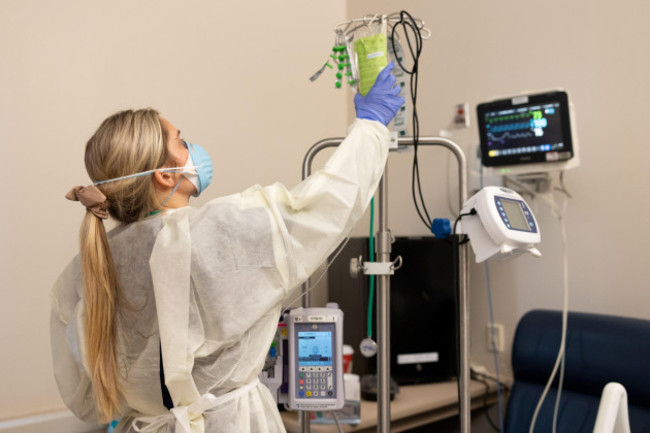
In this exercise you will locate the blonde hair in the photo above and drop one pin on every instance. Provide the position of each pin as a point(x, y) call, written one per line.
point(127, 142)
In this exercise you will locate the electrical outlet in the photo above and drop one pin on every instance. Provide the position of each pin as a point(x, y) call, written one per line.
point(461, 117)
point(494, 332)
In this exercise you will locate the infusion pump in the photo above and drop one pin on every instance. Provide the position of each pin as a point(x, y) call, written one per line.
point(304, 366)
point(499, 223)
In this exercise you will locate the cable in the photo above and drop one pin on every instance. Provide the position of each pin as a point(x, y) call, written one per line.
point(565, 313)
point(471, 212)
point(408, 23)
point(486, 376)
point(336, 420)
point(485, 405)
point(558, 397)
point(560, 360)
point(562, 188)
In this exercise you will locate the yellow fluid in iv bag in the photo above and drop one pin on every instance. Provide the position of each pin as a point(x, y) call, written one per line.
point(371, 59)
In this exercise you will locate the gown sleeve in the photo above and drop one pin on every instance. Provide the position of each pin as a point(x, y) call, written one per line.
point(319, 213)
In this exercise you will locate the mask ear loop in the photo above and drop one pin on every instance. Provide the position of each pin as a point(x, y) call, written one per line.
point(173, 191)
point(144, 173)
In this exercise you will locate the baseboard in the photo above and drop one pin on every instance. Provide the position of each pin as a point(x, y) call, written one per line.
point(55, 422)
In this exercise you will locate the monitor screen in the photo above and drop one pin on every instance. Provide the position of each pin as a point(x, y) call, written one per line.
point(526, 129)
point(515, 214)
point(315, 349)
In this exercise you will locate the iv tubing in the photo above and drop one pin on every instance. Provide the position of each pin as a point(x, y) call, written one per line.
point(560, 360)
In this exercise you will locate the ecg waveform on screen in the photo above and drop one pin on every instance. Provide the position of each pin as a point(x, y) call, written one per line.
point(510, 136)
point(510, 126)
point(537, 114)
point(528, 124)
point(523, 130)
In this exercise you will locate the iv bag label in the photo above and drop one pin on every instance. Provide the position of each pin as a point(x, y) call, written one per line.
point(371, 56)
point(417, 358)
point(400, 121)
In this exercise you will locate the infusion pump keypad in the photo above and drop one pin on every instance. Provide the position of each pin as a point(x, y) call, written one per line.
point(315, 382)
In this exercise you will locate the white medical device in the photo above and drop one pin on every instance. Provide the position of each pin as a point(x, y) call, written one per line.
point(276, 365)
point(316, 358)
point(499, 222)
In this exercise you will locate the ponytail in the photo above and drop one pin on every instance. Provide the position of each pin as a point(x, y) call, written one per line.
point(102, 296)
point(127, 142)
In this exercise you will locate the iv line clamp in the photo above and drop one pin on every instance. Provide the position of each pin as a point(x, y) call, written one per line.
point(358, 266)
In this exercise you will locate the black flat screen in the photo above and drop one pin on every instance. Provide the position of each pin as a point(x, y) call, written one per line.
point(526, 129)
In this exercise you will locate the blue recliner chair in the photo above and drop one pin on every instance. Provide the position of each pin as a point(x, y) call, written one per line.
point(599, 349)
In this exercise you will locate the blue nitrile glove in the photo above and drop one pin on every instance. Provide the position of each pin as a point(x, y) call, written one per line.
point(381, 103)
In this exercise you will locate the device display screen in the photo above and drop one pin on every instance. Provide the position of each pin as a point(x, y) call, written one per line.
point(315, 349)
point(515, 214)
point(514, 132)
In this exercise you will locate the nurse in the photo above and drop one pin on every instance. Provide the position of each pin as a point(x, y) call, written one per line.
point(164, 323)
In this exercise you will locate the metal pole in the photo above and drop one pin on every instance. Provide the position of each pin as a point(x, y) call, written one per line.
point(383, 293)
point(463, 289)
point(303, 416)
point(464, 376)
point(383, 249)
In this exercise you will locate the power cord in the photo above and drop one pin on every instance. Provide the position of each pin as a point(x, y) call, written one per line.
point(336, 420)
point(409, 26)
point(471, 212)
point(458, 218)
point(483, 378)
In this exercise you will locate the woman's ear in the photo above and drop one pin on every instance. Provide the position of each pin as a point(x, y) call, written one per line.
point(164, 179)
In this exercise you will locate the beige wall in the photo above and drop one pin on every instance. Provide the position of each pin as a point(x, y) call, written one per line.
point(233, 76)
point(597, 51)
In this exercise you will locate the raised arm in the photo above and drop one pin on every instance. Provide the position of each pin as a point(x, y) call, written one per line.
point(317, 214)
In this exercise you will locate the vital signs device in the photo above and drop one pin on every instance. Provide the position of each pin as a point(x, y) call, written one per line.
point(527, 133)
point(316, 358)
point(499, 223)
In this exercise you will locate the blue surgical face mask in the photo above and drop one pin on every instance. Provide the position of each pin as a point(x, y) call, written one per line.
point(198, 167)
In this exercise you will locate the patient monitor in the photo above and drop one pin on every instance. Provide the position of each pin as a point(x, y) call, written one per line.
point(527, 133)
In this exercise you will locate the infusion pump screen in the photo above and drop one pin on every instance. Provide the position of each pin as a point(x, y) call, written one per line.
point(315, 349)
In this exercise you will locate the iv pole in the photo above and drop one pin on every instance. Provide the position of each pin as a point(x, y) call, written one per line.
point(383, 243)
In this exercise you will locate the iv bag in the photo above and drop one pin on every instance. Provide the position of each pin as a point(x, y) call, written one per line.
point(368, 52)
